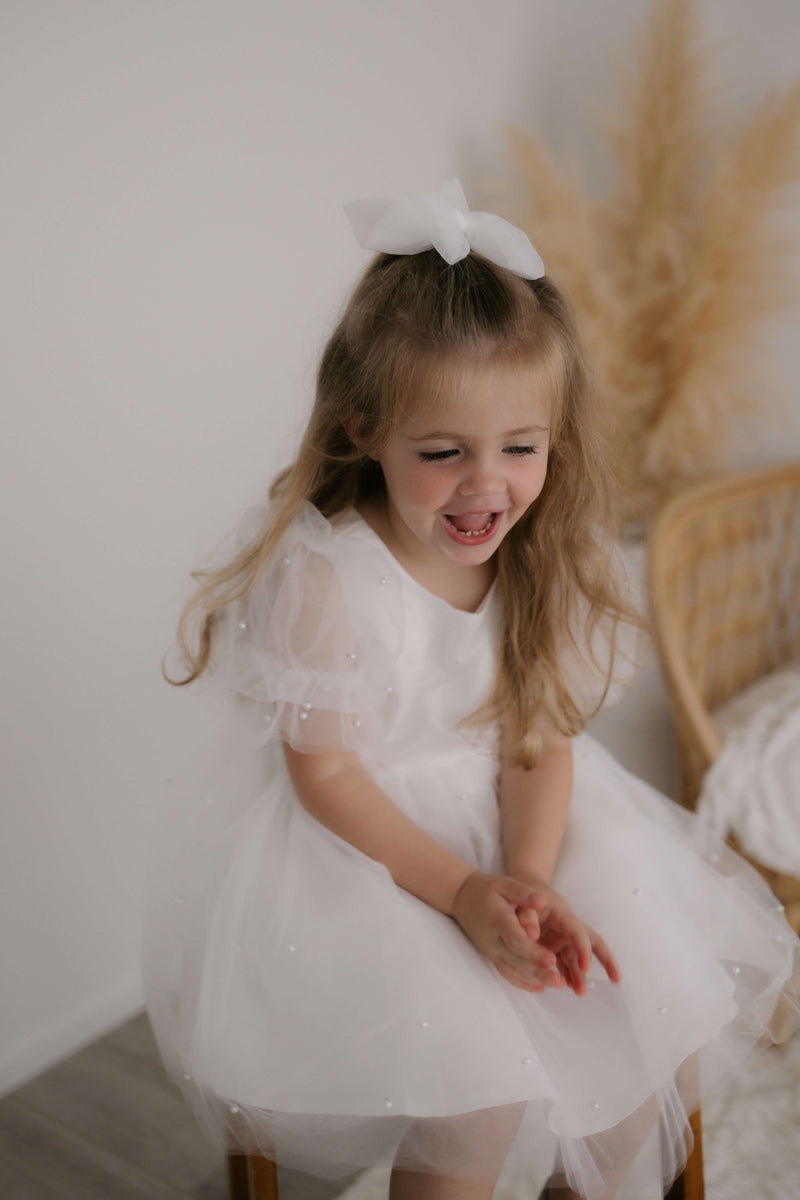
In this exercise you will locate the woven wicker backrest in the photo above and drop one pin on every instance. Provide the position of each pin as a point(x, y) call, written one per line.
point(724, 582)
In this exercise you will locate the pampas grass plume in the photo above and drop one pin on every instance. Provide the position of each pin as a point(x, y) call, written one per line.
point(673, 274)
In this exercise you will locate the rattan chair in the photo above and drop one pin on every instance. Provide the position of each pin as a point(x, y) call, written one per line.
point(724, 583)
point(724, 588)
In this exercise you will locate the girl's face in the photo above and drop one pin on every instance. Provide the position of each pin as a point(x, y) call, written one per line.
point(465, 462)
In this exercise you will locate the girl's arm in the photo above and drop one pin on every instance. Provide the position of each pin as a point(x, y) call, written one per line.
point(336, 790)
point(533, 810)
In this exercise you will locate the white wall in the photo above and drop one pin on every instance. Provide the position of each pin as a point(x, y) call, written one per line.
point(173, 253)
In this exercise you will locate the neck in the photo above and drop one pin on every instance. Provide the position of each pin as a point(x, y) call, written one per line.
point(462, 587)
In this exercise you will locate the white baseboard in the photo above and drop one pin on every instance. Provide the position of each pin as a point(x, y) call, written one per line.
point(71, 1032)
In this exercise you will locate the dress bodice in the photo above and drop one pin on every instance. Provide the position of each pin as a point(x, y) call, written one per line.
point(443, 672)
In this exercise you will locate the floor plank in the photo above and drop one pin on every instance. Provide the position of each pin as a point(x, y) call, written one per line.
point(66, 1166)
point(117, 1096)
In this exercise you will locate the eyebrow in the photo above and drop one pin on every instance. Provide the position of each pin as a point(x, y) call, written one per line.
point(442, 435)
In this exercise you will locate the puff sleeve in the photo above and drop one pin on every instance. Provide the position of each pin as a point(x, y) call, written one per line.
point(311, 647)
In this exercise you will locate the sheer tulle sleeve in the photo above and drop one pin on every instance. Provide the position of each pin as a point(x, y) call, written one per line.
point(311, 647)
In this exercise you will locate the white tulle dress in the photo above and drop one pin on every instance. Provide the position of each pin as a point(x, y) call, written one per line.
point(309, 1007)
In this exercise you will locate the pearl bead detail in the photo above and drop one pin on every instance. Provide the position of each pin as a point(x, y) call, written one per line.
point(388, 1104)
point(383, 580)
point(424, 1024)
point(356, 722)
point(286, 560)
point(736, 970)
point(351, 654)
point(303, 716)
point(526, 1062)
point(595, 1104)
point(664, 1009)
point(243, 624)
point(234, 1108)
point(186, 1076)
point(637, 891)
point(291, 949)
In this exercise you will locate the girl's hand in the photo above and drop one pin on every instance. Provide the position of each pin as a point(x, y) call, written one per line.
point(555, 927)
point(488, 907)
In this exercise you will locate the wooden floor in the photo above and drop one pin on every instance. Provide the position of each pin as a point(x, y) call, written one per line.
point(107, 1124)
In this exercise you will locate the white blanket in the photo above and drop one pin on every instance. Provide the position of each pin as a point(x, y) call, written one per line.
point(753, 788)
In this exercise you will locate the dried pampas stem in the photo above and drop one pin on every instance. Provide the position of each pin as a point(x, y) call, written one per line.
point(672, 275)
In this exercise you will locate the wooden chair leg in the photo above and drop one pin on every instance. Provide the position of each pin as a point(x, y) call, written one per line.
point(690, 1185)
point(238, 1177)
point(252, 1177)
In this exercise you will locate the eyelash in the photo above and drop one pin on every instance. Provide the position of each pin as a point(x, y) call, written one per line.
point(444, 455)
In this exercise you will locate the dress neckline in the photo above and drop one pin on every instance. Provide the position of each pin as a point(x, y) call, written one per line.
point(354, 519)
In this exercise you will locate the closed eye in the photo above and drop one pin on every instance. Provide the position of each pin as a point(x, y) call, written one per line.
point(436, 455)
point(444, 455)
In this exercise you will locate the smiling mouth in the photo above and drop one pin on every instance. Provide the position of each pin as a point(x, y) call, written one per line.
point(471, 527)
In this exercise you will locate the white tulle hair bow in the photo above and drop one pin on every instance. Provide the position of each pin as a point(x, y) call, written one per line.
point(442, 221)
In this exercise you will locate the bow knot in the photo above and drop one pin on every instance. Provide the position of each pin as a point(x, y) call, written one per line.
point(442, 221)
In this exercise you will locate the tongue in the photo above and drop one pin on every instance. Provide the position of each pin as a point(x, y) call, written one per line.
point(471, 522)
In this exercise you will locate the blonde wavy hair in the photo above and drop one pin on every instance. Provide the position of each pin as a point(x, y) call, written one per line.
point(408, 318)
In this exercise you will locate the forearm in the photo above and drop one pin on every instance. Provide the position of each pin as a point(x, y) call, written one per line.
point(533, 809)
point(336, 790)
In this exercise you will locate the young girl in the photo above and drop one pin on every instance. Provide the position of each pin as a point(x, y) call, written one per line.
point(417, 918)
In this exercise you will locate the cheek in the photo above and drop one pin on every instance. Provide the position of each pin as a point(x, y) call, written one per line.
point(426, 487)
point(531, 485)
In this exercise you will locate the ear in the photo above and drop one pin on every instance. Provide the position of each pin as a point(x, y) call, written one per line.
point(353, 432)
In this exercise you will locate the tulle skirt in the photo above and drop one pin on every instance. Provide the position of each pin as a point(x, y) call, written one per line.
point(313, 1011)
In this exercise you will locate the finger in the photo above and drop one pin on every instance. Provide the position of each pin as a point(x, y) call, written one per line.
point(521, 895)
point(518, 944)
point(581, 940)
point(577, 976)
point(578, 934)
point(538, 967)
point(515, 938)
point(527, 985)
point(529, 921)
point(533, 978)
point(606, 958)
point(521, 940)
point(583, 945)
point(573, 976)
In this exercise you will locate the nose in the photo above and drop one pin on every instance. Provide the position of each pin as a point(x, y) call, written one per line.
point(482, 477)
